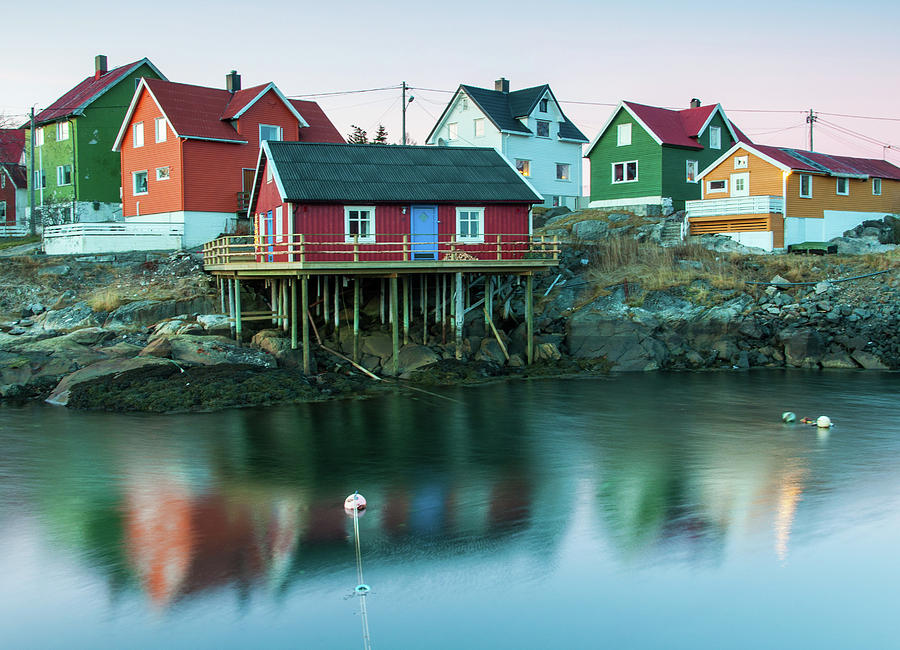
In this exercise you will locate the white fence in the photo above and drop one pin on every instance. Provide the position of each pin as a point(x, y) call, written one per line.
point(118, 237)
point(13, 231)
point(737, 205)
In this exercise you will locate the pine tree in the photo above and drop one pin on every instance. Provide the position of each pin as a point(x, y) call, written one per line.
point(358, 136)
point(381, 135)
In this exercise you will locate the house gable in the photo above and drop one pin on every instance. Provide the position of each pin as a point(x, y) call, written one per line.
point(605, 152)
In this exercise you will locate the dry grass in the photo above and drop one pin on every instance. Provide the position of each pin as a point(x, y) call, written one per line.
point(633, 220)
point(106, 299)
point(653, 267)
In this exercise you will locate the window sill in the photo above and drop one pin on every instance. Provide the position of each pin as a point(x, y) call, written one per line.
point(348, 239)
point(621, 182)
point(140, 194)
point(469, 240)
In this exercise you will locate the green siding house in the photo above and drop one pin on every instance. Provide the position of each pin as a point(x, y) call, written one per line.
point(649, 156)
point(75, 173)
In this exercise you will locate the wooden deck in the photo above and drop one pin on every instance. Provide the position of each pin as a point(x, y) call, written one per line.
point(309, 255)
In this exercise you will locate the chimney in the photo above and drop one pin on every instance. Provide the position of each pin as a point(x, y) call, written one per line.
point(502, 85)
point(695, 103)
point(233, 81)
point(99, 66)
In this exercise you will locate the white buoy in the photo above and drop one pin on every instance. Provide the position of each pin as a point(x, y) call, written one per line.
point(788, 416)
point(824, 422)
point(355, 501)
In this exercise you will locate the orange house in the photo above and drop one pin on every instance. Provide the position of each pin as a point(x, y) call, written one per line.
point(189, 152)
point(772, 197)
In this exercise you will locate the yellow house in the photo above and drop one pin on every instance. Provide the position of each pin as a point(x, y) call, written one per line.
point(771, 197)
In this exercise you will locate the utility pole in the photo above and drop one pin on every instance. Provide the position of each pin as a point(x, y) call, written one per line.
point(32, 227)
point(404, 105)
point(811, 119)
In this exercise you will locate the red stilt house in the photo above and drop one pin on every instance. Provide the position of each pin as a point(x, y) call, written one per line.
point(346, 204)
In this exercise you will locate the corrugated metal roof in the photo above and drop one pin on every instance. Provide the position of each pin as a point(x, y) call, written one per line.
point(312, 172)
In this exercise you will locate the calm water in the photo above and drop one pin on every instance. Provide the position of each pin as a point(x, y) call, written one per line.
point(658, 511)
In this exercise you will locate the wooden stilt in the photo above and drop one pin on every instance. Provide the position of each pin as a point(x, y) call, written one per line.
point(488, 299)
point(443, 309)
point(405, 310)
point(424, 309)
point(529, 318)
point(221, 283)
point(304, 311)
point(327, 304)
point(230, 306)
point(337, 309)
point(395, 334)
point(237, 310)
point(318, 295)
point(458, 313)
point(285, 322)
point(293, 313)
point(383, 320)
point(273, 300)
point(437, 301)
point(356, 318)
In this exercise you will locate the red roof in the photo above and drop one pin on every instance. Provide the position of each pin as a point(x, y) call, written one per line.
point(823, 163)
point(12, 145)
point(320, 127)
point(201, 112)
point(74, 101)
point(678, 128)
point(195, 111)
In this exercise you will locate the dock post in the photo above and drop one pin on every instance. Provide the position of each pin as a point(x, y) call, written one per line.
point(458, 315)
point(230, 305)
point(443, 309)
point(424, 309)
point(326, 304)
point(221, 283)
point(273, 291)
point(285, 322)
point(529, 317)
point(383, 321)
point(488, 299)
point(304, 311)
point(237, 310)
point(293, 313)
point(405, 309)
point(395, 334)
point(337, 308)
point(356, 318)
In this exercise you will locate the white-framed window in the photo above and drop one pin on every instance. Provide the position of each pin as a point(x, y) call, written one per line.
point(805, 186)
point(162, 173)
point(876, 186)
point(691, 169)
point(137, 139)
point(3, 210)
point(543, 105)
point(740, 184)
point(39, 137)
point(62, 131)
point(562, 171)
point(523, 167)
point(623, 135)
point(715, 137)
point(159, 129)
point(625, 172)
point(479, 127)
point(359, 221)
point(138, 183)
point(556, 201)
point(269, 132)
point(741, 162)
point(40, 179)
point(452, 130)
point(279, 226)
point(63, 175)
point(464, 103)
point(66, 214)
point(842, 185)
point(470, 225)
point(2, 181)
point(543, 129)
point(716, 186)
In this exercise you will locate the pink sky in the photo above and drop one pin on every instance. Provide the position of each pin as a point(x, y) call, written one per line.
point(771, 56)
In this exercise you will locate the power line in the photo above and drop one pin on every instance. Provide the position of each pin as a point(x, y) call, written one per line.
point(345, 92)
point(862, 117)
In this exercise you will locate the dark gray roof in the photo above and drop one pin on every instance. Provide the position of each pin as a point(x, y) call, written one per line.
point(504, 109)
point(367, 173)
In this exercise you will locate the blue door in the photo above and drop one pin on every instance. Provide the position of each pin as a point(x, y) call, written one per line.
point(270, 234)
point(424, 232)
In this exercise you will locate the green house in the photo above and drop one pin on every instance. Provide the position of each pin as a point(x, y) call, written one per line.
point(75, 173)
point(646, 156)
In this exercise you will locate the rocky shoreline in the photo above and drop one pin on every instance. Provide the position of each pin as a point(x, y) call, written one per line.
point(165, 354)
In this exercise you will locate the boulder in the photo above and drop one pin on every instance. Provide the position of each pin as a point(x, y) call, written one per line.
point(490, 350)
point(868, 360)
point(626, 345)
point(214, 350)
point(215, 323)
point(546, 352)
point(838, 359)
point(378, 344)
point(70, 318)
point(60, 394)
point(412, 357)
point(90, 336)
point(803, 348)
point(168, 327)
point(158, 347)
point(590, 230)
point(141, 313)
point(122, 349)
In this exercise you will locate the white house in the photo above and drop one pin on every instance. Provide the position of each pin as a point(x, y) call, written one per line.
point(526, 126)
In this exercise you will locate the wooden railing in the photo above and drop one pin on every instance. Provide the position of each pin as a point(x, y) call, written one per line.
point(397, 248)
point(715, 207)
point(243, 202)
